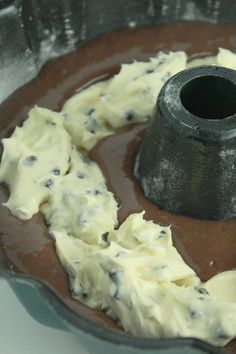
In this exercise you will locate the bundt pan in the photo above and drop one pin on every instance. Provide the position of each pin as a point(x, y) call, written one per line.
point(31, 33)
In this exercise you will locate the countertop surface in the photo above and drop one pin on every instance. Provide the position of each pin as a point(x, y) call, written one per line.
point(21, 334)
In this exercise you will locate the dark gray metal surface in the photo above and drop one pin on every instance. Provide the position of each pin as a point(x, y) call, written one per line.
point(187, 160)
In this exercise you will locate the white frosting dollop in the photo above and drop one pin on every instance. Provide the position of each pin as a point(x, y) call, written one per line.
point(33, 158)
point(144, 285)
point(129, 96)
point(80, 203)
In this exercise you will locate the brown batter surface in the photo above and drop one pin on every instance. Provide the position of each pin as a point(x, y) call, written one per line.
point(208, 247)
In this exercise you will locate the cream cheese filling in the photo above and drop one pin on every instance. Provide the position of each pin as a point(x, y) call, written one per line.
point(134, 273)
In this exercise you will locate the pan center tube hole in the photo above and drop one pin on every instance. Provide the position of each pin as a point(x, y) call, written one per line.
point(209, 97)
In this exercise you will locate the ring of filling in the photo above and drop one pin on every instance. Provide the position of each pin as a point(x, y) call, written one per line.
point(141, 281)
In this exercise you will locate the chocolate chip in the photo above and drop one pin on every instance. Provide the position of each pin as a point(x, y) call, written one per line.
point(162, 234)
point(129, 116)
point(193, 313)
point(69, 159)
point(92, 131)
point(163, 266)
point(76, 262)
point(161, 62)
point(203, 291)
point(96, 192)
point(159, 268)
point(84, 295)
point(196, 313)
point(30, 160)
point(120, 254)
point(56, 171)
point(83, 292)
point(81, 175)
point(90, 111)
point(149, 71)
point(49, 183)
point(113, 276)
point(106, 309)
point(105, 236)
point(49, 122)
point(202, 298)
point(81, 220)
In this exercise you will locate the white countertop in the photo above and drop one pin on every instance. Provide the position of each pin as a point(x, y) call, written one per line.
point(21, 334)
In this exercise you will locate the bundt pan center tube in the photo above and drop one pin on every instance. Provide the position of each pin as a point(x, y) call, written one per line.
point(186, 163)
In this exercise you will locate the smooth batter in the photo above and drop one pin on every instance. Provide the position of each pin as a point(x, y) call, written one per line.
point(140, 278)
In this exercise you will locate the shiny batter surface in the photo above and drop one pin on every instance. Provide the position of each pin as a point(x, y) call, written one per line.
point(140, 280)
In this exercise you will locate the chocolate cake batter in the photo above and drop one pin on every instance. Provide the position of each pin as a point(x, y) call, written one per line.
point(204, 245)
point(208, 247)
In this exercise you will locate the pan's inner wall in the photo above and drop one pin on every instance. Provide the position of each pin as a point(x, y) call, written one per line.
point(26, 245)
point(32, 32)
